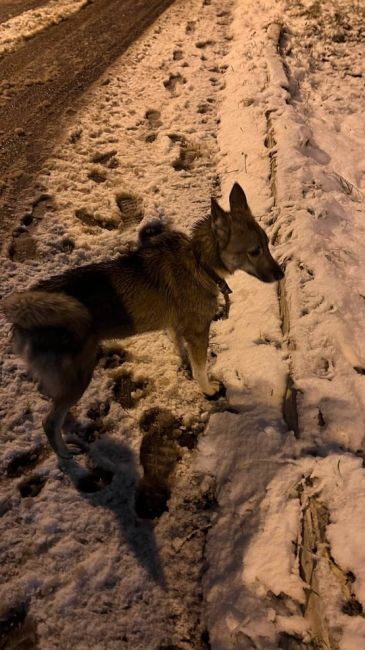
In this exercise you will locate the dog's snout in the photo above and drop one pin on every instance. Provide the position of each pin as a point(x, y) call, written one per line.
point(273, 275)
point(278, 273)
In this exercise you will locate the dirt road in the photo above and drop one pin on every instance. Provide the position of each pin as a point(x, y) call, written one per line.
point(11, 8)
point(41, 82)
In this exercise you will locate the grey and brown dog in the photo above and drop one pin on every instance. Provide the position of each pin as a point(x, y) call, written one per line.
point(171, 281)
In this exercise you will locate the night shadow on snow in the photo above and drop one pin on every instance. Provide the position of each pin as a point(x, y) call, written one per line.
point(109, 482)
point(159, 454)
point(164, 438)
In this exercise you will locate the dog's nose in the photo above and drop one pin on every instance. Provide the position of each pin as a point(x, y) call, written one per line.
point(278, 273)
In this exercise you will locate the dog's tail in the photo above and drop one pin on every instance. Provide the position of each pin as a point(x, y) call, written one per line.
point(31, 309)
point(151, 229)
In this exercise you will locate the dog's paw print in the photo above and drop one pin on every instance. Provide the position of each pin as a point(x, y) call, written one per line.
point(201, 45)
point(112, 357)
point(187, 153)
point(32, 485)
point(153, 120)
point(306, 274)
point(128, 392)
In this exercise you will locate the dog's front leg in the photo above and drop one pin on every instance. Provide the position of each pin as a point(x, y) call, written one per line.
point(198, 348)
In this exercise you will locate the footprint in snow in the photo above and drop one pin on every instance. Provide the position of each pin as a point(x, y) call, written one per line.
point(130, 207)
point(95, 220)
point(23, 245)
point(106, 158)
point(159, 454)
point(190, 27)
point(177, 55)
point(96, 175)
point(161, 449)
point(153, 119)
point(203, 44)
point(23, 460)
point(172, 82)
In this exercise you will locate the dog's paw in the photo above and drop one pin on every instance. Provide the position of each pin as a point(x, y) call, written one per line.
point(216, 390)
point(185, 368)
point(75, 445)
point(65, 454)
point(68, 453)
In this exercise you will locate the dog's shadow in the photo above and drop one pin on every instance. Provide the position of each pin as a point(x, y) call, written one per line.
point(109, 481)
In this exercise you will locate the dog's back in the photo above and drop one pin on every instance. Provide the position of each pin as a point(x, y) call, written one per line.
point(153, 287)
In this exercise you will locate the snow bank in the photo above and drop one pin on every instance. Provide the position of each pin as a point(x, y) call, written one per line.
point(292, 133)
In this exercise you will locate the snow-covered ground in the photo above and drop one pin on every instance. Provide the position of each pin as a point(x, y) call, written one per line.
point(288, 539)
point(262, 545)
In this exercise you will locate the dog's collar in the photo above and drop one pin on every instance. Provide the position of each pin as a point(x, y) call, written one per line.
point(223, 288)
point(220, 282)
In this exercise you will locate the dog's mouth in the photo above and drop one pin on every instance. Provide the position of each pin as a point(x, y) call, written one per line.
point(274, 276)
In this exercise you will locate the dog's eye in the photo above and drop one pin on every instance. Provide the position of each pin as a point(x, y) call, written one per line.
point(255, 252)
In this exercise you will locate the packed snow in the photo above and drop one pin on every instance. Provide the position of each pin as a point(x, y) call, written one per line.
point(269, 94)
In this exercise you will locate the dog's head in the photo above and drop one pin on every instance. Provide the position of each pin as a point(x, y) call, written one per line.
point(242, 243)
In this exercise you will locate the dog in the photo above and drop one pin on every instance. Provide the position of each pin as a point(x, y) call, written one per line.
point(169, 282)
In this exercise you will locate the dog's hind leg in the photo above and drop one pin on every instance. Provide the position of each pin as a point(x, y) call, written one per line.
point(54, 420)
point(180, 349)
point(52, 425)
point(72, 381)
point(198, 348)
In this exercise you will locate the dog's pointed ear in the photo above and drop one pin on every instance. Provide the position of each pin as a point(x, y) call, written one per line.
point(238, 201)
point(221, 225)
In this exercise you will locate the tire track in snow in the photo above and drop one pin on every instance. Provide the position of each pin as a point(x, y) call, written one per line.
point(246, 449)
point(317, 566)
point(290, 410)
point(314, 515)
